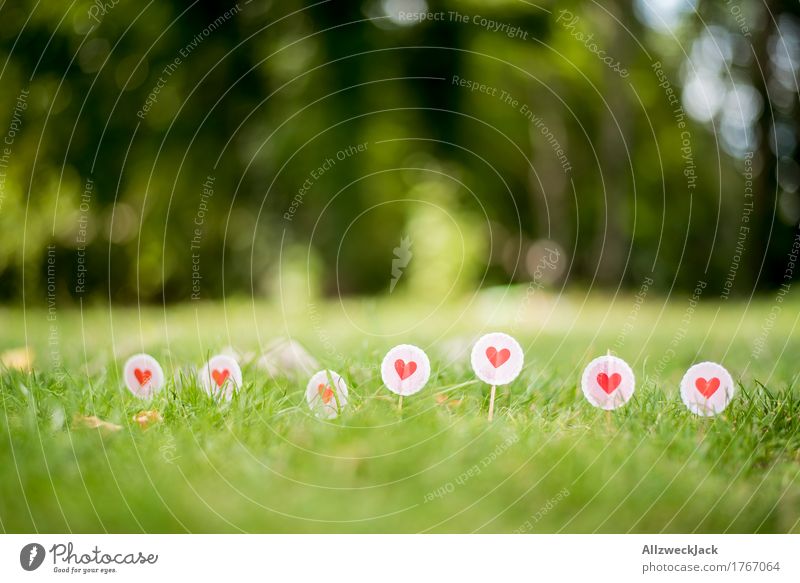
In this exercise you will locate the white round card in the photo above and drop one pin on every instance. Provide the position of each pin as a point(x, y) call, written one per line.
point(707, 388)
point(405, 369)
point(143, 375)
point(326, 394)
point(220, 376)
point(608, 382)
point(497, 358)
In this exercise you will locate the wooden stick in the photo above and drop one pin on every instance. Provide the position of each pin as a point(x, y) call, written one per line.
point(491, 402)
point(400, 403)
point(608, 412)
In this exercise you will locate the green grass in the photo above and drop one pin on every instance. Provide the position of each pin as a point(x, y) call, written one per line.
point(261, 463)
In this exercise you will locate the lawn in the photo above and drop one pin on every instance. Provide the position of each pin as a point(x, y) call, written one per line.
point(548, 463)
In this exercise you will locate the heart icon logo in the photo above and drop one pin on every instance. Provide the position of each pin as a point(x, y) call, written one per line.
point(497, 357)
point(325, 393)
point(404, 369)
point(707, 387)
point(609, 383)
point(220, 376)
point(143, 376)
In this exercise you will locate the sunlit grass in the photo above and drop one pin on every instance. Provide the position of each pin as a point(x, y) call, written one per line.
point(549, 462)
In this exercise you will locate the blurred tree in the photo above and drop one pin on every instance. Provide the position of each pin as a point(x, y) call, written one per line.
point(154, 152)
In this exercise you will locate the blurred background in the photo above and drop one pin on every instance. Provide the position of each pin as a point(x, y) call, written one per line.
point(168, 151)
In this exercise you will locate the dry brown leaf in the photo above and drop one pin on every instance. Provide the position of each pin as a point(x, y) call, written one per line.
point(443, 399)
point(92, 422)
point(147, 418)
point(18, 358)
point(385, 398)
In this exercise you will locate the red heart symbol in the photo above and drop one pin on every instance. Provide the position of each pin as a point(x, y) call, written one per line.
point(609, 383)
point(143, 376)
point(220, 376)
point(707, 387)
point(497, 357)
point(326, 393)
point(404, 369)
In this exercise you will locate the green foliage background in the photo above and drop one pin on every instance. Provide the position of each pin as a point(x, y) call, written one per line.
point(279, 87)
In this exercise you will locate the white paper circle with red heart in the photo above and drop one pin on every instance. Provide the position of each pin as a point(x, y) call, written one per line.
point(221, 376)
point(608, 382)
point(326, 394)
point(707, 388)
point(143, 375)
point(405, 369)
point(497, 358)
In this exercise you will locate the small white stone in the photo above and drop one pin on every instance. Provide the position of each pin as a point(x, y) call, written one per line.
point(285, 357)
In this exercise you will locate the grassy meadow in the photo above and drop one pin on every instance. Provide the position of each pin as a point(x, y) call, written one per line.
point(262, 463)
